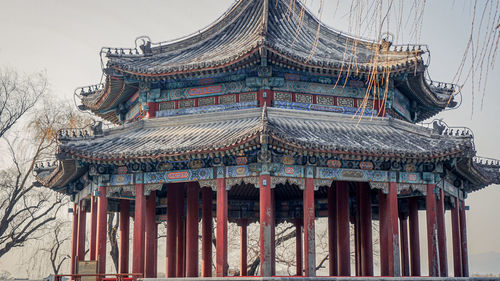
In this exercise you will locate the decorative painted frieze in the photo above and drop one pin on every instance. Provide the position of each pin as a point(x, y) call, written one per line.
point(352, 175)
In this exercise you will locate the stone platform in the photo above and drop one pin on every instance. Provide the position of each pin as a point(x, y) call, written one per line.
point(378, 278)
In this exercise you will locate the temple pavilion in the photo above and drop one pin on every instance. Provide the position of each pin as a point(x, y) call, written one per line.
point(267, 116)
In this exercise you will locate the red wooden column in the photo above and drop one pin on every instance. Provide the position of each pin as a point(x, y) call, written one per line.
point(432, 242)
point(171, 257)
point(298, 246)
point(139, 226)
point(266, 225)
point(93, 228)
point(343, 246)
point(463, 238)
point(383, 233)
point(393, 237)
point(102, 217)
point(206, 232)
point(82, 221)
point(150, 236)
point(309, 229)
point(455, 229)
point(193, 206)
point(74, 238)
point(405, 257)
point(124, 236)
point(441, 227)
point(221, 247)
point(243, 248)
point(332, 231)
point(389, 234)
point(366, 230)
point(414, 237)
point(181, 231)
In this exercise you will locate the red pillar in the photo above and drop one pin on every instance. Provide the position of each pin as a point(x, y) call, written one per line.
point(74, 238)
point(193, 196)
point(298, 245)
point(332, 231)
point(432, 241)
point(82, 221)
point(93, 228)
point(266, 221)
point(309, 231)
point(243, 248)
point(383, 233)
point(405, 257)
point(343, 246)
point(393, 237)
point(414, 237)
point(139, 225)
point(171, 258)
point(150, 236)
point(443, 255)
point(102, 217)
point(366, 230)
point(221, 247)
point(457, 251)
point(463, 238)
point(181, 231)
point(124, 236)
point(206, 233)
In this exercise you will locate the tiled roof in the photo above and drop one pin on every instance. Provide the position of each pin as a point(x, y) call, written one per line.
point(273, 24)
point(295, 130)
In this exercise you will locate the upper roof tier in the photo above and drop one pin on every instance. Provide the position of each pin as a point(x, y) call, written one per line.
point(286, 30)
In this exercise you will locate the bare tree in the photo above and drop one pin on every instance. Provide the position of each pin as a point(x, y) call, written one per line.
point(25, 210)
point(113, 237)
point(55, 250)
point(18, 94)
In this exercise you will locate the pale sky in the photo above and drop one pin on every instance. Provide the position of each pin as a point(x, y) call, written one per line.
point(65, 37)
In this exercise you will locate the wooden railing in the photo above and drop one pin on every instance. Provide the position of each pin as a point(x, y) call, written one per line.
point(102, 277)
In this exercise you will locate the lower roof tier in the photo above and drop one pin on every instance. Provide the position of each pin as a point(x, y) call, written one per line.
point(329, 136)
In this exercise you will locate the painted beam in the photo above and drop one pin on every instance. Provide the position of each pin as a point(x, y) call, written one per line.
point(414, 237)
point(343, 246)
point(221, 266)
point(102, 218)
point(193, 195)
point(332, 231)
point(139, 226)
point(206, 232)
point(123, 259)
point(432, 231)
point(309, 229)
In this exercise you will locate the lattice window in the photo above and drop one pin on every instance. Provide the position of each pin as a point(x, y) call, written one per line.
point(304, 98)
point(186, 103)
point(167, 105)
point(248, 97)
point(206, 101)
point(324, 100)
point(347, 102)
point(227, 99)
point(369, 103)
point(282, 96)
